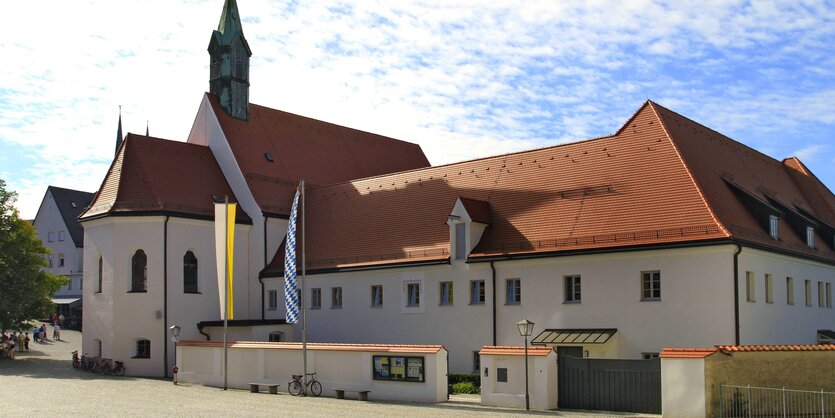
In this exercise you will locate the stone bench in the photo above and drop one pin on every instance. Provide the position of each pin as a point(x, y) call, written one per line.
point(273, 387)
point(362, 394)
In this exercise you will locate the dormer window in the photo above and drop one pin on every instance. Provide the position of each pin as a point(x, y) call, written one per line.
point(460, 241)
point(810, 237)
point(773, 226)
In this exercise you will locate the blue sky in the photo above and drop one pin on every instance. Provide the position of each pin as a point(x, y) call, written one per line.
point(464, 79)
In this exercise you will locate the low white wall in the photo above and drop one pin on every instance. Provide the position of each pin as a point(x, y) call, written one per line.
point(337, 366)
point(542, 378)
point(683, 387)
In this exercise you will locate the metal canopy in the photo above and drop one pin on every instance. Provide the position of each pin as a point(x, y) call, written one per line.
point(72, 301)
point(826, 334)
point(554, 336)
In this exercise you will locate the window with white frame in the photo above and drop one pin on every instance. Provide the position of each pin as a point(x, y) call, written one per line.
point(446, 293)
point(829, 295)
point(789, 290)
point(769, 289)
point(750, 287)
point(460, 241)
point(377, 296)
point(477, 292)
point(808, 286)
point(572, 289)
point(336, 298)
point(821, 295)
point(651, 285)
point(61, 236)
point(810, 237)
point(513, 294)
point(272, 300)
point(413, 294)
point(316, 298)
point(50, 237)
point(774, 226)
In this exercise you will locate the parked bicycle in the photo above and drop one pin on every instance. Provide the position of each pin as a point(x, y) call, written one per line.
point(76, 362)
point(296, 387)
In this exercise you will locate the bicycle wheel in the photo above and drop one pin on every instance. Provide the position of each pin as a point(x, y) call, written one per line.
point(119, 371)
point(76, 363)
point(295, 388)
point(104, 369)
point(315, 388)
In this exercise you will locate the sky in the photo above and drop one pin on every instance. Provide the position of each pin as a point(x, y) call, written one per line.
point(464, 79)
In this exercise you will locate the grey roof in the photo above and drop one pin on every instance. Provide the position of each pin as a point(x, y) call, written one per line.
point(71, 203)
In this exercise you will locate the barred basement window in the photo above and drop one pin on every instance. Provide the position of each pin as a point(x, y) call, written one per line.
point(143, 349)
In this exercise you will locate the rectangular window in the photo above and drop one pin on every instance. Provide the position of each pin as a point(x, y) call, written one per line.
point(572, 289)
point(460, 241)
point(61, 236)
point(476, 362)
point(69, 284)
point(413, 294)
point(272, 300)
point(60, 259)
point(808, 285)
point(769, 289)
point(477, 292)
point(336, 298)
point(773, 226)
point(501, 374)
point(750, 287)
point(790, 290)
point(377, 295)
point(50, 236)
point(143, 349)
point(810, 237)
point(49, 261)
point(316, 298)
point(397, 368)
point(829, 295)
point(649, 356)
point(821, 295)
point(513, 295)
point(650, 285)
point(446, 293)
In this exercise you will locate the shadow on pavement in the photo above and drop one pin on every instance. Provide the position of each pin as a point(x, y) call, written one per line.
point(50, 369)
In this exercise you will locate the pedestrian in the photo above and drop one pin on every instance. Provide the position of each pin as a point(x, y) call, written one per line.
point(56, 333)
point(61, 320)
point(26, 342)
point(55, 318)
point(35, 331)
point(20, 342)
point(43, 332)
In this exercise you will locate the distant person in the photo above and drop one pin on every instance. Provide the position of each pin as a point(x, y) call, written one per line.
point(35, 332)
point(61, 320)
point(20, 342)
point(26, 342)
point(55, 318)
point(43, 332)
point(56, 332)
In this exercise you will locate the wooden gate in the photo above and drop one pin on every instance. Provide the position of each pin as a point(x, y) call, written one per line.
point(610, 384)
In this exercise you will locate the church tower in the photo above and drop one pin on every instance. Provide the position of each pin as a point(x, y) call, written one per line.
point(229, 63)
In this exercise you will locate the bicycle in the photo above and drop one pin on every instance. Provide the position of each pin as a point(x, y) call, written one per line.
point(295, 386)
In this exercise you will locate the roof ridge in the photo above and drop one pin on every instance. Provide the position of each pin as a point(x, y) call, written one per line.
point(97, 193)
point(687, 169)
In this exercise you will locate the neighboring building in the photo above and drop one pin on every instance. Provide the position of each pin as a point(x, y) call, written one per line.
point(666, 233)
point(59, 230)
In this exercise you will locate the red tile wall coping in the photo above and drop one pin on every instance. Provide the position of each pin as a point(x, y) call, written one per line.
point(383, 348)
point(704, 352)
point(503, 350)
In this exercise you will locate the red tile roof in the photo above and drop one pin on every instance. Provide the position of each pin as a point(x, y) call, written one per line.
point(153, 175)
point(319, 152)
point(794, 347)
point(687, 352)
point(504, 350)
point(478, 210)
point(658, 180)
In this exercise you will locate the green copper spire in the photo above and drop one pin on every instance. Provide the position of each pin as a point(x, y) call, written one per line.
point(229, 63)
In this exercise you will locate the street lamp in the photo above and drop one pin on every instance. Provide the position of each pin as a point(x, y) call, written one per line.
point(175, 332)
point(525, 330)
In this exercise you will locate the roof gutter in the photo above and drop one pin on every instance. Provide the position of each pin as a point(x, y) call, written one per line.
point(736, 293)
point(493, 269)
point(366, 268)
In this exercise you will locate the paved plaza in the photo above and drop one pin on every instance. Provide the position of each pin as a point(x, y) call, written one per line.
point(44, 383)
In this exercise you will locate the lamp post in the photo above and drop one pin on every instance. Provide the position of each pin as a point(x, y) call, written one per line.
point(175, 332)
point(525, 330)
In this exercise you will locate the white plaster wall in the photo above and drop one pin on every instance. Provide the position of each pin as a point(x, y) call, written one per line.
point(779, 322)
point(542, 381)
point(683, 388)
point(119, 318)
point(48, 219)
point(335, 369)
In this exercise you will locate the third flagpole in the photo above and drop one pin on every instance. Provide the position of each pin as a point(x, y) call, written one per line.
point(301, 299)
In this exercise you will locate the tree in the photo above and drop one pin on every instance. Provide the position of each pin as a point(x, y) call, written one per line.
point(25, 289)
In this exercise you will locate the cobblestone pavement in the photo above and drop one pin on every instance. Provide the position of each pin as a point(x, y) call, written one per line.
point(43, 382)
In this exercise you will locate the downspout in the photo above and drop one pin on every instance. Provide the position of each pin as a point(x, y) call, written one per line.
point(165, 296)
point(493, 268)
point(200, 330)
point(736, 293)
point(261, 279)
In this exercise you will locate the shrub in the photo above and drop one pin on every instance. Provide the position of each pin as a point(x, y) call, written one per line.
point(472, 378)
point(465, 387)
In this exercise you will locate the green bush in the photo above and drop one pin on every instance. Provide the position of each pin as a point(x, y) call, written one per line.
point(473, 379)
point(465, 387)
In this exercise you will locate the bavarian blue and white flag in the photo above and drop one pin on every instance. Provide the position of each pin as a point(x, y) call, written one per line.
point(291, 295)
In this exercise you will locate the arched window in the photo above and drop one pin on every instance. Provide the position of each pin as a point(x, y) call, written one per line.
point(189, 273)
point(98, 288)
point(143, 349)
point(276, 337)
point(139, 272)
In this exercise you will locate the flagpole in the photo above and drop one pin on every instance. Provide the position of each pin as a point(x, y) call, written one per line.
point(304, 305)
point(226, 292)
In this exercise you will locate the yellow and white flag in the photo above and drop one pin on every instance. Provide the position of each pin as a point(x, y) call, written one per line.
point(225, 254)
